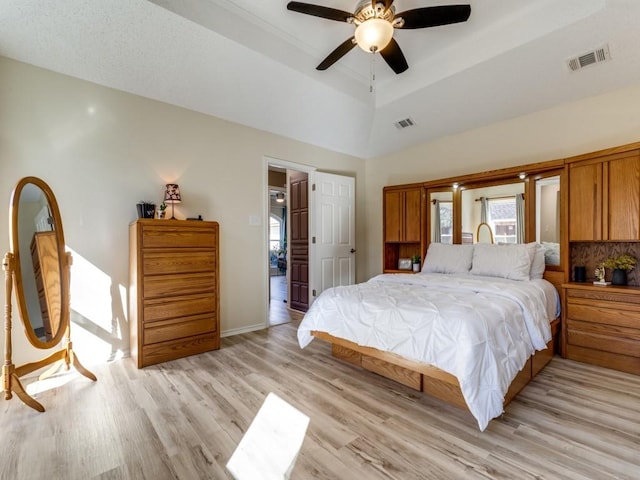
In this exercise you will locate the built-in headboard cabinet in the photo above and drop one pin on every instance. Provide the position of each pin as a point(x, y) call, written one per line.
point(598, 216)
point(602, 323)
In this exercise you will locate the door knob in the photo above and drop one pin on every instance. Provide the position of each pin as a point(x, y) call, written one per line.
point(353, 250)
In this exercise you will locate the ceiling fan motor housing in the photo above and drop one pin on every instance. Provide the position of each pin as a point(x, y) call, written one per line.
point(364, 11)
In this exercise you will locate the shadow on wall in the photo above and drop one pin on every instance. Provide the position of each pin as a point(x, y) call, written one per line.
point(98, 309)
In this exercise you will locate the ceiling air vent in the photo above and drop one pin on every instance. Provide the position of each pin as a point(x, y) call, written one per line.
point(590, 58)
point(404, 123)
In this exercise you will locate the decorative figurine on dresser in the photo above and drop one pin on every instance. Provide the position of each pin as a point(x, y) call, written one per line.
point(173, 289)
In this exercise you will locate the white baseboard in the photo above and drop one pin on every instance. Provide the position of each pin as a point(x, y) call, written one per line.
point(238, 331)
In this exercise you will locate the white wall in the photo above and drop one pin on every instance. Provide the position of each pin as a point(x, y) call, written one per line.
point(585, 126)
point(101, 164)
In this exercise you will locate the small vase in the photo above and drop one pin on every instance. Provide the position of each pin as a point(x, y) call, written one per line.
point(416, 267)
point(619, 277)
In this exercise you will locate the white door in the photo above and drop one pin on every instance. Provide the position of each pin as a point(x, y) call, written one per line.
point(334, 256)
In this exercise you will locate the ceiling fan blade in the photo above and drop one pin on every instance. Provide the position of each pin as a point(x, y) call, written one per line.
point(394, 57)
point(319, 11)
point(434, 16)
point(344, 48)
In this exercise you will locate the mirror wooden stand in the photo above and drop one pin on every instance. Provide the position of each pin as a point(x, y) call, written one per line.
point(41, 281)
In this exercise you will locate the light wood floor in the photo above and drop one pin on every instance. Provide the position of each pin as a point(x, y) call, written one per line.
point(279, 311)
point(183, 419)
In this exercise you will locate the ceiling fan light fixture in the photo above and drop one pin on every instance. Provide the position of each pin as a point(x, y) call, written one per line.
point(374, 34)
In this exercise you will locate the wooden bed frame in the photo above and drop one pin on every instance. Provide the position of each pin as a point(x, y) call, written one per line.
point(432, 380)
point(427, 378)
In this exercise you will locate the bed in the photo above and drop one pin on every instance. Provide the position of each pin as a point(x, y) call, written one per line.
point(472, 328)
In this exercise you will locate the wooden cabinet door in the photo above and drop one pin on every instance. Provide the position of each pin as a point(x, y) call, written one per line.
point(622, 207)
point(585, 201)
point(412, 223)
point(393, 216)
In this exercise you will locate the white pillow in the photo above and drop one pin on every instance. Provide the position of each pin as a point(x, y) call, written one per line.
point(506, 261)
point(538, 263)
point(448, 258)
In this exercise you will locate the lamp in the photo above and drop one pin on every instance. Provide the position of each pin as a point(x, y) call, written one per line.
point(280, 197)
point(172, 195)
point(374, 34)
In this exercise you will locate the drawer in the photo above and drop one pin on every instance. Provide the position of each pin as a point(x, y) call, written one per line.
point(182, 347)
point(607, 313)
point(154, 263)
point(161, 236)
point(178, 307)
point(175, 328)
point(604, 295)
point(598, 340)
point(173, 285)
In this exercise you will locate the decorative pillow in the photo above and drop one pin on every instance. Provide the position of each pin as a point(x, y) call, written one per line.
point(552, 253)
point(538, 264)
point(505, 261)
point(448, 258)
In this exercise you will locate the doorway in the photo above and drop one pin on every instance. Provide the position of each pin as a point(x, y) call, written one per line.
point(277, 246)
point(309, 236)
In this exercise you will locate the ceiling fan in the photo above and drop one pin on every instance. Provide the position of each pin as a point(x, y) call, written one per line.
point(375, 21)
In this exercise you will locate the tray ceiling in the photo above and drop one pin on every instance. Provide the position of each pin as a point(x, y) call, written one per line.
point(253, 62)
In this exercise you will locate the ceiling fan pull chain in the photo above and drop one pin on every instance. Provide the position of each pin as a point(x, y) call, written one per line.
point(372, 76)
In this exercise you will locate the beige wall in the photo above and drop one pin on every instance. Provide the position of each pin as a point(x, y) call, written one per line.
point(585, 126)
point(100, 165)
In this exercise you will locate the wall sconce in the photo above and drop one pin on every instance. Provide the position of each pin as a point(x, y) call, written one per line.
point(280, 197)
point(172, 196)
point(455, 185)
point(522, 175)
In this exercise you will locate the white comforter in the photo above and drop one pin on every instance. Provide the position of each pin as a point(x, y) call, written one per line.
point(481, 330)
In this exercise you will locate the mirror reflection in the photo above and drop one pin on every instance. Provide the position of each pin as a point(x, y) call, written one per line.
point(484, 234)
point(500, 206)
point(441, 215)
point(39, 262)
point(548, 217)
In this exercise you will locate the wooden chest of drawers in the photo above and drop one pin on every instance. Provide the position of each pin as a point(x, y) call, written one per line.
point(173, 289)
point(603, 326)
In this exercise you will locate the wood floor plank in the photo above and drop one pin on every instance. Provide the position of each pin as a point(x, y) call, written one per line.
point(183, 420)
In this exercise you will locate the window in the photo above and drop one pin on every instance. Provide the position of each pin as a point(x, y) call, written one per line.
point(502, 216)
point(275, 234)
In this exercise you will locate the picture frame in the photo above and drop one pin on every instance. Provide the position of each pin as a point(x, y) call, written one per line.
point(404, 264)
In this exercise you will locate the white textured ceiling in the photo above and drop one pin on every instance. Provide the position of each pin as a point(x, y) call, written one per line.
point(253, 62)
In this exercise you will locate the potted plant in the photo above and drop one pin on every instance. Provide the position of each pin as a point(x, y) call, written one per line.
point(415, 260)
point(621, 265)
point(161, 210)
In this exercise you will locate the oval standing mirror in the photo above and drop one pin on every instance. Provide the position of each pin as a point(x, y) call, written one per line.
point(37, 243)
point(38, 268)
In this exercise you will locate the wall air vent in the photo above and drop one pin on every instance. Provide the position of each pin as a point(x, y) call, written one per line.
point(598, 55)
point(404, 123)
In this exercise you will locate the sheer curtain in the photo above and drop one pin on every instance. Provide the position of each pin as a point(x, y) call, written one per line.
point(484, 210)
point(437, 233)
point(520, 218)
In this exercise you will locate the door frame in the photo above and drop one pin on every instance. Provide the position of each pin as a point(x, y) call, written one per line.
point(300, 167)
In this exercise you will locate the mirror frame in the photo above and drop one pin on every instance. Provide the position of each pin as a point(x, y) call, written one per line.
point(487, 227)
point(14, 211)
